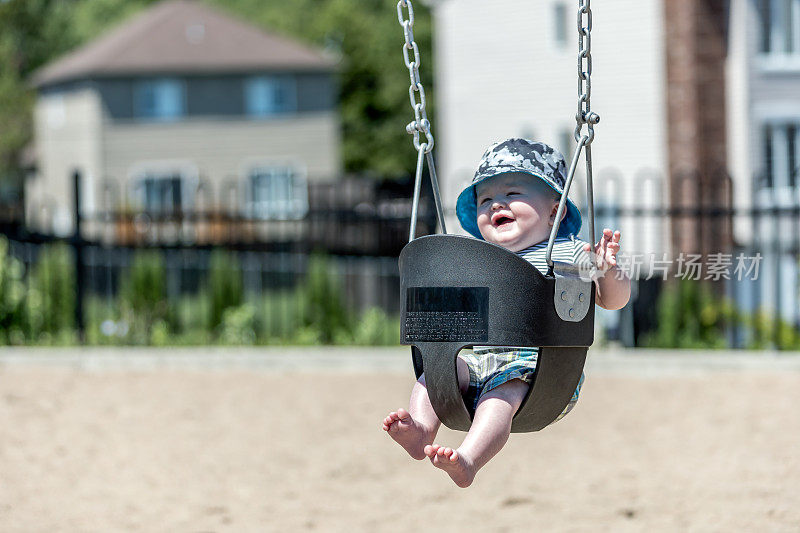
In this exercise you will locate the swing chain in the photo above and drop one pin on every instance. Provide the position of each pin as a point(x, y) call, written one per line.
point(585, 114)
point(421, 124)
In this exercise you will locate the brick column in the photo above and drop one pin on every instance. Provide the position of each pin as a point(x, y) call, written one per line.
point(696, 47)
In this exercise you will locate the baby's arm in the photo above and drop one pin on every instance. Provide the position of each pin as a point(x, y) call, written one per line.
point(613, 284)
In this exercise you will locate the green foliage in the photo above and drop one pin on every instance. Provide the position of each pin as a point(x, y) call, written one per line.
point(224, 284)
point(16, 103)
point(144, 296)
point(376, 328)
point(322, 305)
point(768, 331)
point(40, 308)
point(54, 279)
point(325, 319)
point(92, 18)
point(239, 325)
point(12, 297)
point(689, 315)
point(32, 32)
point(160, 334)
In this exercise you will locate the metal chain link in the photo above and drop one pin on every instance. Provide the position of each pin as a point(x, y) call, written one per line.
point(421, 124)
point(585, 114)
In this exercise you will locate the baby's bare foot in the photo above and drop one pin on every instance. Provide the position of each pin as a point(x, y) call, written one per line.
point(408, 433)
point(457, 466)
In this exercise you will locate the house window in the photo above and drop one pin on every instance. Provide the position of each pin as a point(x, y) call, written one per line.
point(161, 193)
point(560, 23)
point(277, 193)
point(780, 27)
point(269, 95)
point(781, 144)
point(159, 99)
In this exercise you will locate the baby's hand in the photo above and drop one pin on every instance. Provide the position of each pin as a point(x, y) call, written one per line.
point(606, 250)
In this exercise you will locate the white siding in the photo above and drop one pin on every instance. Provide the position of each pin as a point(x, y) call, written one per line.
point(222, 149)
point(501, 73)
point(759, 90)
point(68, 128)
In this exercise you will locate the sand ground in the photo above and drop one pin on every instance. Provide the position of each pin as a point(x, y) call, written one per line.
point(191, 448)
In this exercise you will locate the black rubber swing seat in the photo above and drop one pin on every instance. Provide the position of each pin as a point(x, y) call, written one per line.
point(459, 292)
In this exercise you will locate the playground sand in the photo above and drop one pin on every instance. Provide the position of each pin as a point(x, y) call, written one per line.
point(195, 450)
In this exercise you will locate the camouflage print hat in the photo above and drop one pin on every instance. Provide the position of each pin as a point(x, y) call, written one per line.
point(519, 155)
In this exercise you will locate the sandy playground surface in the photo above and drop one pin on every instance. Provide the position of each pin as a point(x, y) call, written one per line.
point(237, 449)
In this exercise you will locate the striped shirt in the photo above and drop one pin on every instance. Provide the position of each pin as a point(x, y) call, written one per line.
point(565, 249)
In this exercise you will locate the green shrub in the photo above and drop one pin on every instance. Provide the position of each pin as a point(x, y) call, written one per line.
point(376, 328)
point(321, 302)
point(279, 315)
point(239, 325)
point(12, 297)
point(54, 280)
point(690, 315)
point(40, 308)
point(224, 285)
point(768, 331)
point(160, 334)
point(192, 313)
point(143, 294)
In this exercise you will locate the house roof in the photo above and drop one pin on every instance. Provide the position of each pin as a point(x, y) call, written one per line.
point(182, 36)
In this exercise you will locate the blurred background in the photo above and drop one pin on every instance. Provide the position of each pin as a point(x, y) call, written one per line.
point(205, 172)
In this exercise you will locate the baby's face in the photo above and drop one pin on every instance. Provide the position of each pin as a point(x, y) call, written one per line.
point(515, 210)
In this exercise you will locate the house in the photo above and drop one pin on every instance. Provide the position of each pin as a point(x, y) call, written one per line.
point(182, 108)
point(509, 68)
point(763, 85)
point(699, 101)
point(764, 97)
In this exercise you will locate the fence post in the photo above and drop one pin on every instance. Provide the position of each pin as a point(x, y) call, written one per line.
point(77, 245)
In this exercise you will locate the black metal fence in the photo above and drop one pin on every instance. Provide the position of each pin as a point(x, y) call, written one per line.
point(710, 271)
point(213, 272)
point(218, 274)
point(165, 295)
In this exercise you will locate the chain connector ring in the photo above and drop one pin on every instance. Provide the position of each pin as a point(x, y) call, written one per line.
point(420, 124)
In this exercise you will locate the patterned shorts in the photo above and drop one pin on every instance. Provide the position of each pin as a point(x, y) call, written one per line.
point(491, 367)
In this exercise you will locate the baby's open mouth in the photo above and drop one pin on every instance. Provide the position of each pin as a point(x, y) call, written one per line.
point(501, 220)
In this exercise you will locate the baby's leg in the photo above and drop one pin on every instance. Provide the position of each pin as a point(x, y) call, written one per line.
point(416, 428)
point(487, 435)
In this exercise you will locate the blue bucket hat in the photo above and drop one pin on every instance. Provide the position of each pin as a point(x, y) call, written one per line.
point(519, 155)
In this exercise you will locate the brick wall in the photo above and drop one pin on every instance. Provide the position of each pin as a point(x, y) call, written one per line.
point(696, 47)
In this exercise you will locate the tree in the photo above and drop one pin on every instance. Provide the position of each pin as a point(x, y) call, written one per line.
point(31, 33)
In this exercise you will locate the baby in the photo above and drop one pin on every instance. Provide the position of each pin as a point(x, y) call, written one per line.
point(513, 202)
